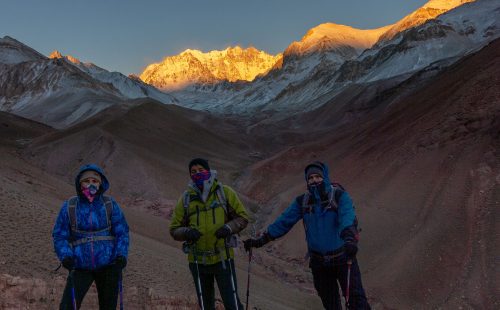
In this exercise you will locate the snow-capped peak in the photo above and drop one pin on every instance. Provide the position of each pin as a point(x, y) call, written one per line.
point(335, 35)
point(428, 11)
point(193, 66)
point(58, 55)
point(445, 4)
point(14, 52)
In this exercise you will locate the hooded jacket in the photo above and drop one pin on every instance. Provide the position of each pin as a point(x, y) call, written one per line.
point(91, 218)
point(322, 225)
point(206, 214)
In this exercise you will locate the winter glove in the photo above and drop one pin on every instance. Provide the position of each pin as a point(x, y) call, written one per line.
point(256, 243)
point(68, 263)
point(223, 232)
point(193, 235)
point(120, 261)
point(350, 249)
point(350, 237)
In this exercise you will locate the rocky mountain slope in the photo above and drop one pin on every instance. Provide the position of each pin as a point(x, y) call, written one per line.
point(60, 92)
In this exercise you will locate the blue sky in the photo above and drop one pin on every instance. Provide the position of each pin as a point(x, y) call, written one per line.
point(126, 35)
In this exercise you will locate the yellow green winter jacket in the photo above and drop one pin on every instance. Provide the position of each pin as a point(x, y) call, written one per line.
point(206, 213)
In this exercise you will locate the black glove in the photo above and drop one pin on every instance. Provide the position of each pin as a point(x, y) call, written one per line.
point(350, 237)
point(223, 232)
point(350, 249)
point(121, 262)
point(256, 243)
point(193, 235)
point(68, 263)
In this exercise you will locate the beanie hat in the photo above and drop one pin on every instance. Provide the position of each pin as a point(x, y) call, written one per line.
point(314, 168)
point(90, 174)
point(199, 161)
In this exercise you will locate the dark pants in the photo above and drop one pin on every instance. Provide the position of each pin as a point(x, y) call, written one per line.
point(326, 281)
point(223, 277)
point(106, 281)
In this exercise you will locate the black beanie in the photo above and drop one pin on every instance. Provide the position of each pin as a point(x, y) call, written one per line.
point(199, 161)
point(314, 168)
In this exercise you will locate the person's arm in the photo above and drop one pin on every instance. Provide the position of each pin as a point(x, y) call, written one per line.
point(347, 226)
point(177, 229)
point(119, 228)
point(236, 211)
point(61, 234)
point(285, 221)
point(280, 227)
point(345, 212)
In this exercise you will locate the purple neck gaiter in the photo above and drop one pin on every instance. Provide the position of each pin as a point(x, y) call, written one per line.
point(200, 177)
point(90, 192)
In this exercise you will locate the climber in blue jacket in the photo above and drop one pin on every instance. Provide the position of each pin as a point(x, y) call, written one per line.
point(330, 226)
point(91, 240)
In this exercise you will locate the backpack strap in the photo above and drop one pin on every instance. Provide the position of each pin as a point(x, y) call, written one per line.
point(219, 193)
point(108, 203)
point(333, 199)
point(186, 199)
point(221, 196)
point(72, 203)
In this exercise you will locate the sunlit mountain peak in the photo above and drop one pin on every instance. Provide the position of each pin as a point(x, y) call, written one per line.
point(328, 36)
point(428, 11)
point(56, 54)
point(193, 66)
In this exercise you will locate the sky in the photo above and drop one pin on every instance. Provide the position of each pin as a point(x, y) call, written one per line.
point(127, 35)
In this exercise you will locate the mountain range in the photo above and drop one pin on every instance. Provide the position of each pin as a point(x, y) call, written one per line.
point(407, 116)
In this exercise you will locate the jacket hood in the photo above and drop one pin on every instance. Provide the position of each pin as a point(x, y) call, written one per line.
point(324, 168)
point(96, 168)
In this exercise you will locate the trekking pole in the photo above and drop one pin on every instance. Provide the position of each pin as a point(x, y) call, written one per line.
point(248, 269)
point(349, 263)
point(248, 278)
point(120, 284)
point(198, 281)
point(73, 297)
point(233, 286)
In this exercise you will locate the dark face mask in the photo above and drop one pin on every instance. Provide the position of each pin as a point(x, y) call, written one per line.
point(317, 190)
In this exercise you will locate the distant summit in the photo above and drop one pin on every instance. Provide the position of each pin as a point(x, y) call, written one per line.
point(193, 66)
point(57, 55)
point(428, 11)
point(329, 36)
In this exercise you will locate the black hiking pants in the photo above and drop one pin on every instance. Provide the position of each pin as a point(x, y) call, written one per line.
point(217, 272)
point(328, 277)
point(106, 281)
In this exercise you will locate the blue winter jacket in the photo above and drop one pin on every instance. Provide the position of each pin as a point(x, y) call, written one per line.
point(322, 226)
point(91, 217)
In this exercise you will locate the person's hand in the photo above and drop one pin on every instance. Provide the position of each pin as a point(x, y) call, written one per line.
point(121, 262)
point(193, 235)
point(68, 263)
point(223, 232)
point(256, 243)
point(350, 249)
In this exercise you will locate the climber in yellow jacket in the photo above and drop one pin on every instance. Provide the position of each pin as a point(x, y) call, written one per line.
point(206, 217)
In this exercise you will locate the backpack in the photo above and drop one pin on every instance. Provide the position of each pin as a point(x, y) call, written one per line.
point(72, 205)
